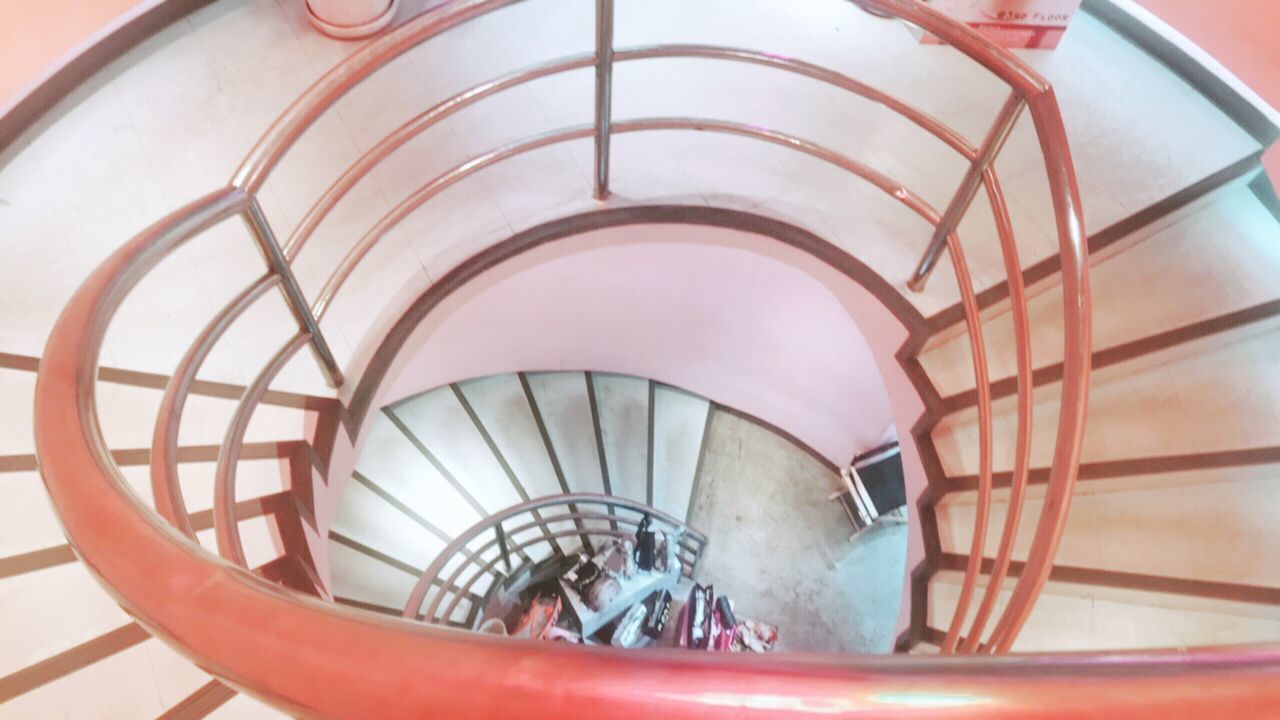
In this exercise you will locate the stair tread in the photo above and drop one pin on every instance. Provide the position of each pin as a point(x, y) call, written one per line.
point(1215, 395)
point(365, 516)
point(1222, 530)
point(390, 460)
point(442, 425)
point(624, 421)
point(566, 411)
point(679, 424)
point(1069, 617)
point(499, 402)
point(1158, 284)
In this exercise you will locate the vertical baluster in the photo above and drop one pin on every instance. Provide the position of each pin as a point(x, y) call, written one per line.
point(307, 322)
point(960, 202)
point(502, 546)
point(604, 94)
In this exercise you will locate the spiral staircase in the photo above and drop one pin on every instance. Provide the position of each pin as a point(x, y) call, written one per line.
point(513, 438)
point(1126, 512)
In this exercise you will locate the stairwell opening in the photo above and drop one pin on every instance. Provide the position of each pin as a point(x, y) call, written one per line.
point(775, 367)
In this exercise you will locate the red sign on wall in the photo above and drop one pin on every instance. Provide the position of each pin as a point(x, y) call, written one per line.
point(1012, 23)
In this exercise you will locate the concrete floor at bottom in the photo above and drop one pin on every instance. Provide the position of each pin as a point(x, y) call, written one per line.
point(781, 549)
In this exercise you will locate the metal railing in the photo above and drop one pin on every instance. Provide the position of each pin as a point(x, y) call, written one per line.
point(537, 528)
point(357, 665)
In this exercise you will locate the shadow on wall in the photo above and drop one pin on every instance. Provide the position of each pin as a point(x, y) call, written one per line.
point(672, 303)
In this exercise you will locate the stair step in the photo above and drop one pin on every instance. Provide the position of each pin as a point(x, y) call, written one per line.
point(1217, 527)
point(128, 416)
point(1212, 395)
point(623, 403)
point(120, 684)
point(566, 411)
point(204, 700)
point(442, 425)
point(254, 479)
point(27, 519)
point(1181, 274)
point(500, 403)
point(243, 707)
point(259, 536)
point(679, 426)
point(367, 517)
point(504, 410)
point(1072, 616)
point(392, 462)
point(51, 611)
point(18, 388)
point(362, 577)
point(177, 680)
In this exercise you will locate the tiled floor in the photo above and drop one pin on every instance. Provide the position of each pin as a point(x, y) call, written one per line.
point(780, 548)
point(170, 120)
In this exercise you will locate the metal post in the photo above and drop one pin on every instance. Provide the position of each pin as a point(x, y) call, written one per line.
point(275, 258)
point(960, 202)
point(502, 546)
point(604, 94)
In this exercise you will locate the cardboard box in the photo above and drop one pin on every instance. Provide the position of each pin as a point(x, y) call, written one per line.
point(1011, 23)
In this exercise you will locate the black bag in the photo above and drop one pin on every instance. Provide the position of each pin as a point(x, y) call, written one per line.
point(700, 604)
point(658, 606)
point(646, 546)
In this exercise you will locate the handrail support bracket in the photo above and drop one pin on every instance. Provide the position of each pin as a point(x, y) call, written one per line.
point(999, 133)
point(276, 261)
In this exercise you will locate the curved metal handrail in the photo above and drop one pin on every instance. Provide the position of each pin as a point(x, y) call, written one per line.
point(411, 129)
point(449, 610)
point(432, 116)
point(326, 91)
point(413, 605)
point(973, 324)
point(168, 583)
point(1022, 443)
point(1077, 361)
point(227, 525)
point(167, 496)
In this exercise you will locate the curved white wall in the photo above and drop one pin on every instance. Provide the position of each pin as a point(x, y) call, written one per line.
point(734, 326)
point(730, 323)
